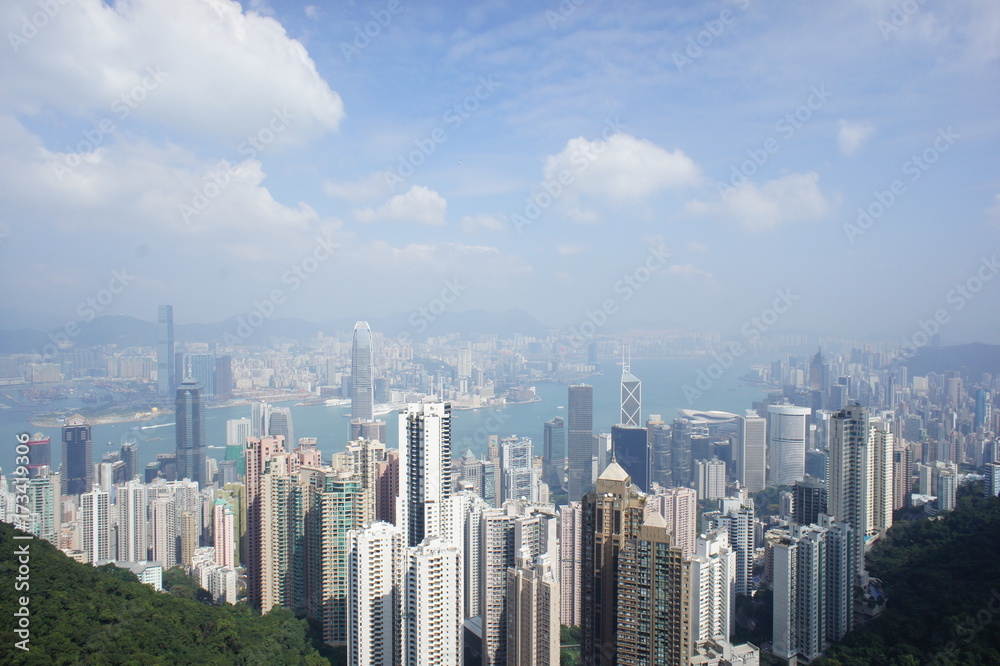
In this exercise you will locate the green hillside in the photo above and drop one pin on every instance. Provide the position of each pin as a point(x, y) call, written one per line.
point(79, 615)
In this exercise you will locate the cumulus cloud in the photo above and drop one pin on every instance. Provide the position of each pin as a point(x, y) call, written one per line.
point(223, 73)
point(851, 136)
point(792, 198)
point(620, 167)
point(418, 204)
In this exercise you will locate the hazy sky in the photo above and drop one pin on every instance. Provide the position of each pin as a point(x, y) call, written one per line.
point(678, 162)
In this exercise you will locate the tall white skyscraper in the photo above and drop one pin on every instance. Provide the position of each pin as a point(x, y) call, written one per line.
point(237, 431)
point(133, 524)
point(424, 504)
point(751, 451)
point(260, 421)
point(519, 478)
point(362, 374)
point(710, 479)
point(374, 569)
point(737, 518)
point(882, 485)
point(713, 588)
point(850, 481)
point(432, 604)
point(95, 511)
point(786, 446)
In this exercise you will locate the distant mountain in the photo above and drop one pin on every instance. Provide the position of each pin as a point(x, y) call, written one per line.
point(971, 360)
point(255, 330)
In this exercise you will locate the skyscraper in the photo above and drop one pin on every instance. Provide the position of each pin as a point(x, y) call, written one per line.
point(39, 454)
point(810, 501)
point(190, 432)
point(45, 508)
point(223, 377)
point(224, 531)
point(554, 452)
point(737, 518)
point(362, 374)
point(786, 445)
point(95, 511)
point(133, 525)
point(280, 425)
point(850, 481)
point(77, 465)
point(713, 592)
point(652, 604)
point(570, 554)
point(163, 519)
point(532, 611)
point(518, 474)
point(710, 479)
point(432, 603)
point(631, 402)
point(580, 440)
point(679, 507)
point(258, 451)
point(374, 568)
point(165, 378)
point(630, 445)
point(751, 451)
point(201, 368)
point(424, 502)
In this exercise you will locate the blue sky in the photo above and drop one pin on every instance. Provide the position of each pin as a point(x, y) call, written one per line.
point(536, 153)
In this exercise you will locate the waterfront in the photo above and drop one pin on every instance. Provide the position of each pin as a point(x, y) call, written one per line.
point(662, 393)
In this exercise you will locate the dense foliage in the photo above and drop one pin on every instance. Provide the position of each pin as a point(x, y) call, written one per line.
point(82, 615)
point(942, 578)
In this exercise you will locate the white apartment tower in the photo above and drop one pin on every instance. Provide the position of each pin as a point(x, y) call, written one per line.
point(374, 563)
point(432, 605)
point(786, 445)
point(713, 588)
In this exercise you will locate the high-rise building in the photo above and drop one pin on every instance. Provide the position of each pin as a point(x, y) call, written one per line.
point(201, 368)
point(224, 532)
point(223, 387)
point(627, 554)
point(710, 479)
point(133, 524)
point(533, 612)
point(258, 451)
point(95, 512)
point(39, 454)
point(570, 554)
point(432, 604)
point(737, 519)
point(713, 589)
point(947, 489)
point(679, 507)
point(260, 421)
point(519, 479)
point(810, 501)
point(992, 482)
point(166, 382)
point(387, 487)
point(362, 374)
point(188, 537)
point(580, 440)
point(812, 588)
point(366, 456)
point(631, 403)
point(554, 452)
point(44, 508)
point(190, 432)
point(630, 446)
point(786, 446)
point(163, 528)
point(374, 567)
point(882, 486)
point(130, 456)
point(902, 478)
point(425, 471)
point(751, 451)
point(280, 425)
point(850, 481)
point(77, 465)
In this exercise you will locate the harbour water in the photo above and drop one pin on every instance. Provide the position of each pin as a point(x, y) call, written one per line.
point(663, 382)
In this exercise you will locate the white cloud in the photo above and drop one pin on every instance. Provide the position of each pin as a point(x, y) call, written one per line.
point(789, 199)
point(224, 74)
point(482, 221)
point(569, 249)
point(697, 246)
point(312, 12)
point(620, 167)
point(418, 204)
point(688, 271)
point(851, 136)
